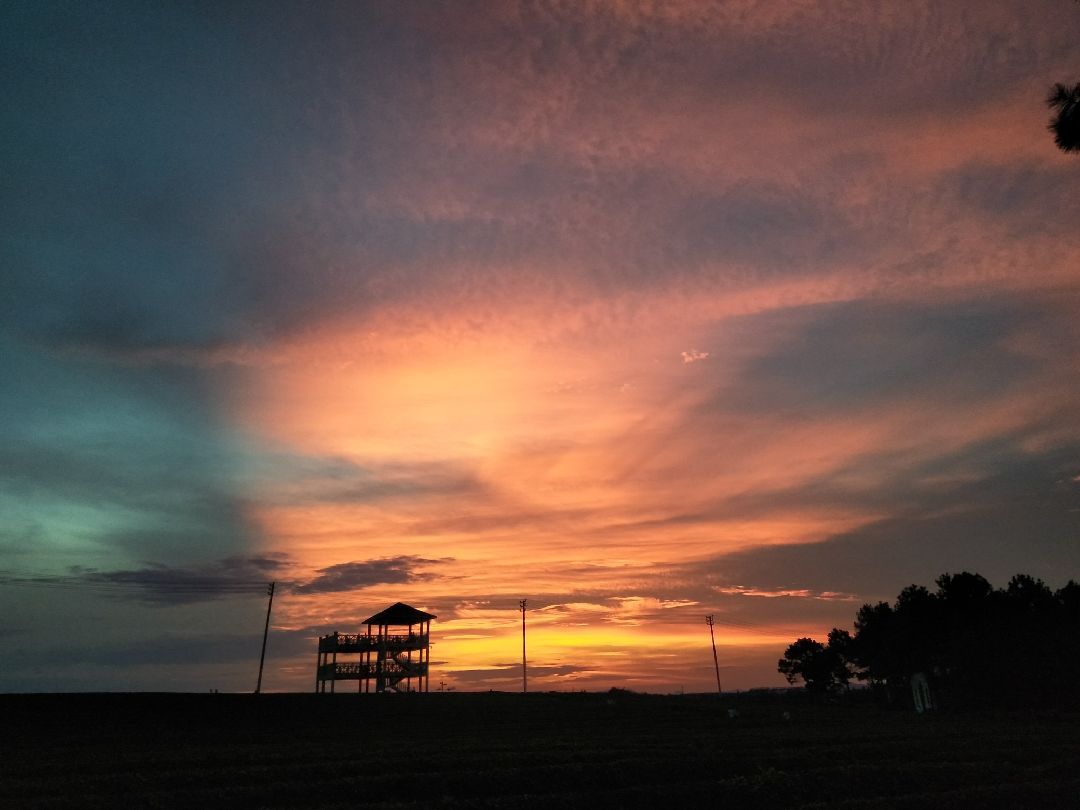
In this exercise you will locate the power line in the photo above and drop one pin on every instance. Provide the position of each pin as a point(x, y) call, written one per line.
point(148, 586)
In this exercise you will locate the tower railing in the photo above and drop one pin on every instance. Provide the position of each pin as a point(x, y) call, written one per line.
point(349, 670)
point(362, 642)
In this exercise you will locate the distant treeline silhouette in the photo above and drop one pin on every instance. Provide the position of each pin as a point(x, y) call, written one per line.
point(973, 644)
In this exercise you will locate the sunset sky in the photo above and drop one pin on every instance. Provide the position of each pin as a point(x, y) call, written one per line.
point(637, 311)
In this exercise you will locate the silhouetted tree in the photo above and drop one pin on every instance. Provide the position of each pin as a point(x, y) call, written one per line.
point(840, 643)
point(1065, 102)
point(1028, 635)
point(973, 643)
point(802, 659)
point(1067, 633)
point(918, 630)
point(971, 635)
point(874, 654)
point(822, 667)
point(1068, 598)
point(963, 589)
point(1029, 595)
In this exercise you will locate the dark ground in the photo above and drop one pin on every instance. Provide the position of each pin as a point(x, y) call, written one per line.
point(538, 750)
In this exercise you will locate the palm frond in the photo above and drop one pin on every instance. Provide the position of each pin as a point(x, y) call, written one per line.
point(1065, 102)
point(1059, 95)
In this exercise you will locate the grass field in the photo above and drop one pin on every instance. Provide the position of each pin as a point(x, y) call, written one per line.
point(534, 751)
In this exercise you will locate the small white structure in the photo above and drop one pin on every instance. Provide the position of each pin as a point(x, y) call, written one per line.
point(920, 693)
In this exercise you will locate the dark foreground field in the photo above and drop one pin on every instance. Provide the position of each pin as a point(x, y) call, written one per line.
point(504, 750)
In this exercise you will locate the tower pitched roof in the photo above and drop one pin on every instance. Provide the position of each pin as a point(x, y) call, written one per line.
point(399, 614)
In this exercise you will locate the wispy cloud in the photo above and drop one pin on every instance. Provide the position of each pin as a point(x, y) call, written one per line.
point(169, 585)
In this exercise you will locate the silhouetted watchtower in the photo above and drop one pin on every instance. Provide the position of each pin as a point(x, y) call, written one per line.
point(393, 653)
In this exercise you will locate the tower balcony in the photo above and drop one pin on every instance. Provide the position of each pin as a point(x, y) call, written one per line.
point(360, 670)
point(363, 642)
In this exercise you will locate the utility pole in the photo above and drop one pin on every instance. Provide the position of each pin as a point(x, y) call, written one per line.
point(524, 666)
point(266, 631)
point(716, 661)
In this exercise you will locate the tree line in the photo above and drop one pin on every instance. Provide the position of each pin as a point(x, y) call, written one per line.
point(1019, 645)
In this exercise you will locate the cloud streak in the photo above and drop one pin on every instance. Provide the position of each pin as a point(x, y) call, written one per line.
point(354, 575)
